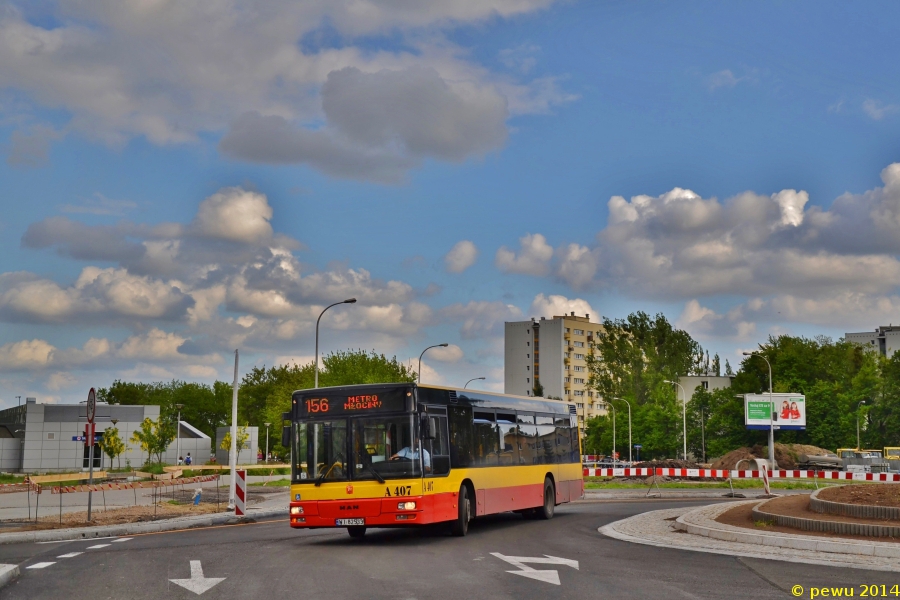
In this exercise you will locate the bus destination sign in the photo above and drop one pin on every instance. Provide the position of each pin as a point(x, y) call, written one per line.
point(320, 406)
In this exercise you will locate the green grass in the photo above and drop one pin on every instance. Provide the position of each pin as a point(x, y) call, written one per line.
point(763, 523)
point(4, 478)
point(174, 502)
point(262, 471)
point(154, 468)
point(277, 483)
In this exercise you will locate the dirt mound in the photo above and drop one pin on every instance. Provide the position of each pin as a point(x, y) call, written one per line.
point(884, 494)
point(786, 455)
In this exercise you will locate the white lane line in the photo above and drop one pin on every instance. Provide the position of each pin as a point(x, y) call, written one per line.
point(96, 546)
point(40, 565)
point(121, 540)
point(70, 555)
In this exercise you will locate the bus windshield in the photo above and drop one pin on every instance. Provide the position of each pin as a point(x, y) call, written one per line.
point(369, 448)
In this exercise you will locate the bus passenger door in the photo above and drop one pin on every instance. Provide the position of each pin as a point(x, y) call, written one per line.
point(437, 444)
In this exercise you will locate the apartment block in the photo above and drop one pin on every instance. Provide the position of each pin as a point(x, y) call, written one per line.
point(552, 352)
point(884, 340)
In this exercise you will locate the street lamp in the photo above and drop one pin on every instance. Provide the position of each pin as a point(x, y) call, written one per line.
point(419, 374)
point(629, 425)
point(861, 402)
point(267, 441)
point(683, 414)
point(771, 410)
point(177, 433)
point(348, 301)
point(609, 404)
point(471, 380)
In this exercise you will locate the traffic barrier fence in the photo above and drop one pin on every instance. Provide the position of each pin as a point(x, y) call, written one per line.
point(742, 474)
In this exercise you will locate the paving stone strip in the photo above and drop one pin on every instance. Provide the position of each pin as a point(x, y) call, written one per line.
point(861, 511)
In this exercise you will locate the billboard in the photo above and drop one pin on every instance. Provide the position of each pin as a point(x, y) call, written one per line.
point(790, 411)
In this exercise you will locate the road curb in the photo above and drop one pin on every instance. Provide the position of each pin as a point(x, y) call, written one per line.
point(695, 523)
point(860, 511)
point(8, 573)
point(87, 533)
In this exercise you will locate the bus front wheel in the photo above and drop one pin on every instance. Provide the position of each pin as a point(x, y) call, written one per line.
point(357, 532)
point(460, 526)
point(546, 511)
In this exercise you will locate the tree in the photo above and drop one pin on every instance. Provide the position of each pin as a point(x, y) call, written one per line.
point(112, 445)
point(154, 437)
point(242, 436)
point(728, 371)
point(145, 438)
point(716, 366)
point(538, 389)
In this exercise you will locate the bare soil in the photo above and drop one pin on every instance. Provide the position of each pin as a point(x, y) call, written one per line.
point(796, 506)
point(117, 516)
point(885, 494)
point(786, 455)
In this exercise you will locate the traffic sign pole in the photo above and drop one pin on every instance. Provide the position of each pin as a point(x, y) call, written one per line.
point(89, 440)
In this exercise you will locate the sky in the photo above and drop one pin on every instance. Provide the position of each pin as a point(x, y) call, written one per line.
point(180, 180)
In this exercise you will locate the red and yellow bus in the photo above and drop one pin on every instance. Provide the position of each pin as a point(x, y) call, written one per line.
point(401, 454)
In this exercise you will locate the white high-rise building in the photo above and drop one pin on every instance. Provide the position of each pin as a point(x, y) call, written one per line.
point(548, 356)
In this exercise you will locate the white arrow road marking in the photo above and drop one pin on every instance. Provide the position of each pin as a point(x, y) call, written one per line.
point(526, 571)
point(198, 583)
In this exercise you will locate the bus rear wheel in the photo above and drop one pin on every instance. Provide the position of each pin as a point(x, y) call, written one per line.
point(546, 511)
point(460, 526)
point(357, 532)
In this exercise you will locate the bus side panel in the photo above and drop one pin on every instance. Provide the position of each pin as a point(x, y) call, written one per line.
point(517, 497)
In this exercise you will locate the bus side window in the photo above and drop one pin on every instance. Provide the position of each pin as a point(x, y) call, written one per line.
point(439, 448)
point(461, 446)
point(508, 438)
point(546, 433)
point(487, 442)
point(528, 451)
point(563, 440)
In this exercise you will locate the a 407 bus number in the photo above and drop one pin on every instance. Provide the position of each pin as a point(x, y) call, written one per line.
point(314, 405)
point(399, 490)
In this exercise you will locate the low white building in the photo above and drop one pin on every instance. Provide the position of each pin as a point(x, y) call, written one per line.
point(247, 455)
point(38, 438)
point(709, 383)
point(884, 340)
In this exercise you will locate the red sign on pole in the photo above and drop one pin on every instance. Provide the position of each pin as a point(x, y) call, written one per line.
point(89, 430)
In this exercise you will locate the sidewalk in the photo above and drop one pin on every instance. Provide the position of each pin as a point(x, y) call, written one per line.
point(274, 505)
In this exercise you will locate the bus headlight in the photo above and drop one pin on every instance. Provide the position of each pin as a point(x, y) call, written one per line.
point(296, 510)
point(406, 506)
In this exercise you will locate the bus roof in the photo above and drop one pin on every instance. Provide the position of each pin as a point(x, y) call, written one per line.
point(434, 394)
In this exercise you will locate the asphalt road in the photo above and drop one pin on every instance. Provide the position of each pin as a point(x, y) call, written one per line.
point(268, 559)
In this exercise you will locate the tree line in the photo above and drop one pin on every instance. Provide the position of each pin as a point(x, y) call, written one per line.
point(841, 380)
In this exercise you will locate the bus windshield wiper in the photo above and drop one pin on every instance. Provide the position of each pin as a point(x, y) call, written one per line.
point(377, 475)
point(320, 478)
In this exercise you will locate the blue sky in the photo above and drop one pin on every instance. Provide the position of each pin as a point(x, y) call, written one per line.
point(179, 181)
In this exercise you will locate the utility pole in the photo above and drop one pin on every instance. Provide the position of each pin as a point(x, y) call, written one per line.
point(232, 455)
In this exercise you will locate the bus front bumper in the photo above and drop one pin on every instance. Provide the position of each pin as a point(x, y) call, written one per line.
point(374, 512)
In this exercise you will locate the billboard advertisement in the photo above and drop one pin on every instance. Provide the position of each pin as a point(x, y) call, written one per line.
point(789, 413)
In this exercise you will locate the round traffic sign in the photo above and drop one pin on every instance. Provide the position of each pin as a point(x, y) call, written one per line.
point(91, 405)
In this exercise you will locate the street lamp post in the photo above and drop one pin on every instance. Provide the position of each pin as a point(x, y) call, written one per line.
point(629, 425)
point(419, 374)
point(475, 379)
point(683, 414)
point(771, 410)
point(348, 301)
point(267, 441)
point(610, 404)
point(178, 433)
point(861, 402)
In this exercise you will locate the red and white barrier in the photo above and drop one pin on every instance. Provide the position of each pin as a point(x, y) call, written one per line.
point(741, 474)
point(240, 492)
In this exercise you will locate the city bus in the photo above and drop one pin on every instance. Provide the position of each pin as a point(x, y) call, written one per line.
point(402, 454)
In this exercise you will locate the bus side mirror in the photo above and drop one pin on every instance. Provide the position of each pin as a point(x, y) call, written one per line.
point(286, 436)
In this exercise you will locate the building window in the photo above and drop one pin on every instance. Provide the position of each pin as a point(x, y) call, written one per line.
point(705, 385)
point(528, 380)
point(527, 331)
point(567, 379)
point(579, 356)
point(578, 344)
point(579, 332)
point(579, 392)
point(579, 380)
point(567, 330)
point(580, 405)
point(527, 343)
point(566, 354)
point(528, 368)
point(577, 368)
point(527, 356)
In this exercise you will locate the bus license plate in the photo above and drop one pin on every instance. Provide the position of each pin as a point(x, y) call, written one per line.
point(350, 521)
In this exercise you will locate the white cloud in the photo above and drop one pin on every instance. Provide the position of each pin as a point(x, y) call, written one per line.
point(727, 79)
point(235, 215)
point(556, 305)
point(450, 354)
point(461, 256)
point(576, 265)
point(533, 257)
point(877, 110)
point(174, 73)
point(26, 354)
